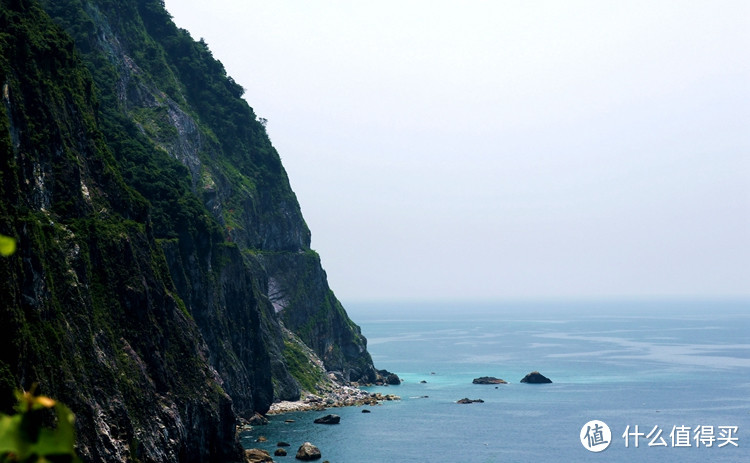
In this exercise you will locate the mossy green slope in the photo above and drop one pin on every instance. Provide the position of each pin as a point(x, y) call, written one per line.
point(161, 248)
point(89, 309)
point(158, 81)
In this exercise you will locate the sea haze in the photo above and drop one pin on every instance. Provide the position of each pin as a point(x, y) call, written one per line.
point(650, 364)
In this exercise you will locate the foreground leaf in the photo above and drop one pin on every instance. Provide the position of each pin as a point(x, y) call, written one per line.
point(7, 245)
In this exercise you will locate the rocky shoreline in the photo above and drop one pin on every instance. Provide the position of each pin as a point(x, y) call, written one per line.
point(332, 397)
point(342, 396)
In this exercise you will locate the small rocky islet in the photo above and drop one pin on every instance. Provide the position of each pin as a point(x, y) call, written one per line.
point(466, 400)
point(532, 378)
point(536, 378)
point(488, 380)
point(328, 419)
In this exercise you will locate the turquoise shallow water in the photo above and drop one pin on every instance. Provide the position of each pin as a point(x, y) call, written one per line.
point(663, 365)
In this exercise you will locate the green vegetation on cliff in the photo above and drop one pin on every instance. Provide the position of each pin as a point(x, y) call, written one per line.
point(161, 254)
point(89, 310)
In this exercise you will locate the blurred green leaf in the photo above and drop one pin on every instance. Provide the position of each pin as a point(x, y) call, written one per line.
point(24, 439)
point(60, 440)
point(10, 436)
point(7, 245)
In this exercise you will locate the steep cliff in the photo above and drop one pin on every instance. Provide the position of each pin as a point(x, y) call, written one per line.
point(164, 273)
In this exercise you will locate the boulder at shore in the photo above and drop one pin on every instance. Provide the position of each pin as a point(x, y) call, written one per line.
point(466, 400)
point(257, 456)
point(308, 452)
point(328, 419)
point(535, 378)
point(386, 377)
point(489, 380)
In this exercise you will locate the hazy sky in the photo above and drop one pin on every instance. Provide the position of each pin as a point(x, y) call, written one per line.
point(505, 149)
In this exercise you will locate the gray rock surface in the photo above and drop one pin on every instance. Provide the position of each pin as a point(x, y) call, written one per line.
point(257, 456)
point(489, 380)
point(466, 400)
point(308, 452)
point(535, 378)
point(328, 419)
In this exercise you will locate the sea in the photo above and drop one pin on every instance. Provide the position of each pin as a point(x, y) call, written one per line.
point(646, 381)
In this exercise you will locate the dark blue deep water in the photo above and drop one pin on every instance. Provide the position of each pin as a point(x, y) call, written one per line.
point(661, 366)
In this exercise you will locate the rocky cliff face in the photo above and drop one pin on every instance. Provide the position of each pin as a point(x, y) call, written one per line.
point(164, 274)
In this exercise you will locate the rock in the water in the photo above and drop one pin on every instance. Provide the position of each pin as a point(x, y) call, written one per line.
point(282, 444)
point(328, 419)
point(466, 400)
point(257, 456)
point(535, 378)
point(308, 452)
point(393, 379)
point(386, 377)
point(365, 411)
point(280, 452)
point(489, 380)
